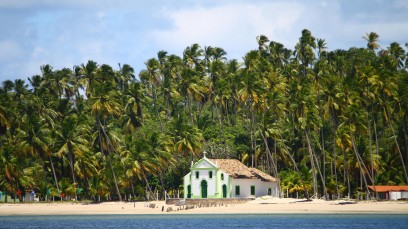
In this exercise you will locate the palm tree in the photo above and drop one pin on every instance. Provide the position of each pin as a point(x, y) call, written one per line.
point(87, 75)
point(251, 91)
point(278, 54)
point(134, 100)
point(398, 54)
point(35, 137)
point(372, 39)
point(104, 104)
point(71, 142)
point(4, 120)
point(304, 50)
point(171, 71)
point(191, 57)
point(233, 70)
point(138, 159)
point(125, 74)
point(192, 88)
point(10, 171)
point(162, 149)
point(151, 78)
point(187, 138)
point(20, 91)
point(321, 46)
point(262, 41)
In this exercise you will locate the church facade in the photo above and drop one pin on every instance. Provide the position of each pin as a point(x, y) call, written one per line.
point(227, 178)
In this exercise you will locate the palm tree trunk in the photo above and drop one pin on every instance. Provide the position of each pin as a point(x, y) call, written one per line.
point(162, 174)
point(313, 166)
point(306, 193)
point(371, 157)
point(251, 125)
point(318, 166)
point(53, 173)
point(404, 127)
point(273, 163)
point(71, 163)
point(147, 184)
point(101, 126)
point(324, 165)
point(235, 112)
point(335, 165)
point(369, 145)
point(346, 175)
point(156, 107)
point(114, 178)
point(397, 144)
point(361, 163)
point(133, 190)
point(275, 154)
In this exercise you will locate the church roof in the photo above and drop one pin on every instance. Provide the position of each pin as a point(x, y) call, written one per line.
point(261, 175)
point(238, 170)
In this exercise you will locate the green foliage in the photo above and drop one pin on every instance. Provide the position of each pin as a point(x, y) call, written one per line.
point(323, 122)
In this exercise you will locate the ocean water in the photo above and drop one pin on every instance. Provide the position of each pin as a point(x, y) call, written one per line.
point(208, 221)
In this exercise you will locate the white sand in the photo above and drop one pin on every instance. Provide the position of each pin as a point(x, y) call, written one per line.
point(258, 206)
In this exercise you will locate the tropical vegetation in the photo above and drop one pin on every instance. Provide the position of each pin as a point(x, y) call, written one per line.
point(326, 123)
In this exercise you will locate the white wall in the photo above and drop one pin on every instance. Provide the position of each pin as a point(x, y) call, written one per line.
point(203, 175)
point(226, 181)
point(396, 195)
point(204, 167)
point(404, 194)
point(261, 187)
point(186, 180)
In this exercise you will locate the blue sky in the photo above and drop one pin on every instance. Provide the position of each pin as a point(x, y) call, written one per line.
point(64, 33)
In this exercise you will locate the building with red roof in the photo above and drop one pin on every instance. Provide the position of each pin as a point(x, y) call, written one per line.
point(390, 192)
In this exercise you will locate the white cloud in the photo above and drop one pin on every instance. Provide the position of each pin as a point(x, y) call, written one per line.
point(67, 32)
point(50, 3)
point(39, 53)
point(231, 27)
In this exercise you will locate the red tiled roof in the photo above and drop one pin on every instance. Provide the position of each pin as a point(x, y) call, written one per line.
point(234, 168)
point(261, 175)
point(388, 188)
point(238, 170)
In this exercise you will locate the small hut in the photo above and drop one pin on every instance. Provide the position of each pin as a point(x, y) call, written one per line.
point(29, 196)
point(390, 192)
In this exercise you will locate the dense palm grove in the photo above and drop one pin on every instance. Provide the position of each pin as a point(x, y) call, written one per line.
point(326, 123)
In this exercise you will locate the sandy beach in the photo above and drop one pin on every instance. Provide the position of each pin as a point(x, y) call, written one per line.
point(258, 206)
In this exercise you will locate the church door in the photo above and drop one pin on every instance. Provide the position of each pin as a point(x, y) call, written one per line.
point(203, 189)
point(189, 191)
point(224, 191)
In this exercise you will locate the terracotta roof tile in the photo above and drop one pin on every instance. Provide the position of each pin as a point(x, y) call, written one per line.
point(261, 175)
point(387, 188)
point(233, 167)
point(238, 170)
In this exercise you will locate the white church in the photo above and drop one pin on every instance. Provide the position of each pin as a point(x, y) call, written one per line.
point(227, 178)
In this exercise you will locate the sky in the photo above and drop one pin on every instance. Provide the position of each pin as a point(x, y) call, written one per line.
point(67, 33)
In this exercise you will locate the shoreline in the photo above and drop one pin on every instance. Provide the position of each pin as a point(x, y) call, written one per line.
point(258, 206)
